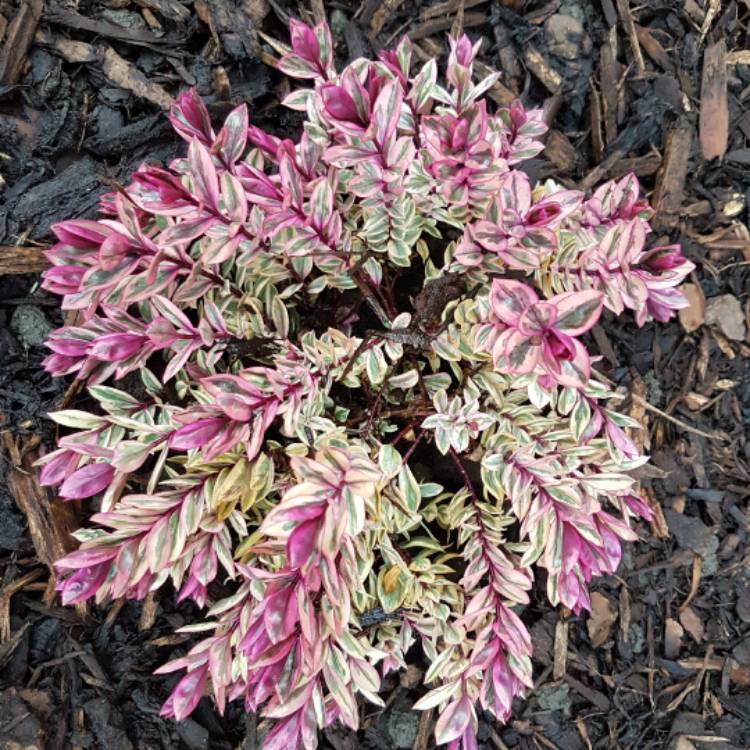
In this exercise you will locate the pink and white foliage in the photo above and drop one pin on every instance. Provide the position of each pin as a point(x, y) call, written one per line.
point(284, 390)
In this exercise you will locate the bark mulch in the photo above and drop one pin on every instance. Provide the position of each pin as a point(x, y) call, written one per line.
point(657, 88)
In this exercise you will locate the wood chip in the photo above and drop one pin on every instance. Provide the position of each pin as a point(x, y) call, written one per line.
point(69, 49)
point(5, 596)
point(536, 63)
point(499, 93)
point(235, 26)
point(592, 696)
point(148, 613)
point(692, 624)
point(737, 674)
point(124, 74)
point(659, 526)
point(137, 37)
point(425, 728)
point(626, 16)
point(738, 57)
point(673, 633)
point(438, 25)
point(714, 6)
point(693, 316)
point(601, 171)
point(20, 33)
point(51, 522)
point(653, 48)
point(170, 9)
point(683, 743)
point(609, 72)
point(318, 11)
point(604, 345)
point(696, 401)
point(16, 259)
point(561, 152)
point(595, 112)
point(670, 182)
point(540, 15)
point(637, 411)
point(642, 166)
point(457, 28)
point(610, 14)
point(446, 8)
point(151, 20)
point(624, 607)
point(714, 113)
point(694, 10)
point(560, 662)
point(600, 621)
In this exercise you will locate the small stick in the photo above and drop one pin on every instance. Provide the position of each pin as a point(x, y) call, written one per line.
point(372, 300)
point(405, 336)
point(650, 407)
point(627, 20)
point(458, 22)
point(684, 425)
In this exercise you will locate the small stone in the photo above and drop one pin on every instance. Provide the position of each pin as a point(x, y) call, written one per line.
point(566, 37)
point(21, 727)
point(554, 697)
point(741, 652)
point(338, 24)
point(692, 533)
point(402, 728)
point(637, 637)
point(128, 19)
point(193, 734)
point(725, 312)
point(31, 326)
point(673, 633)
point(411, 677)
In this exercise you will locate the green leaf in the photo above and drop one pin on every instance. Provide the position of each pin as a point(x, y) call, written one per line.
point(437, 696)
point(580, 418)
point(608, 482)
point(389, 460)
point(409, 489)
point(80, 420)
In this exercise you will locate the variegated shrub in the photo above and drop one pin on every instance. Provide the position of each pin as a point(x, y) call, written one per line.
point(304, 321)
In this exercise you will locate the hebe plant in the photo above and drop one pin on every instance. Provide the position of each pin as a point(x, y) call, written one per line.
point(309, 320)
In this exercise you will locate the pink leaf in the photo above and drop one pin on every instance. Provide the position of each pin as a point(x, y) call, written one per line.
point(301, 543)
point(454, 720)
point(203, 173)
point(386, 111)
point(509, 299)
point(189, 117)
point(83, 584)
point(233, 136)
point(304, 42)
point(577, 312)
point(198, 433)
point(520, 353)
point(87, 481)
point(115, 347)
point(186, 695)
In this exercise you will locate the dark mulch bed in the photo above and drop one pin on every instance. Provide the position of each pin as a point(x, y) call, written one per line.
point(664, 661)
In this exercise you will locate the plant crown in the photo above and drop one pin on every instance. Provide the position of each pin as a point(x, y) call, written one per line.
point(311, 326)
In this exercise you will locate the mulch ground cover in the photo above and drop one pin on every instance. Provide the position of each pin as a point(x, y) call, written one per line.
point(656, 88)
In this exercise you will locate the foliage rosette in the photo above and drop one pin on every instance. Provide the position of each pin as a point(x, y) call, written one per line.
point(281, 335)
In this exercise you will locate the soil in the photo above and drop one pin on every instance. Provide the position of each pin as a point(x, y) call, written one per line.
point(663, 661)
